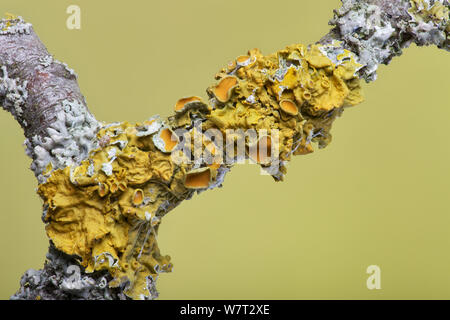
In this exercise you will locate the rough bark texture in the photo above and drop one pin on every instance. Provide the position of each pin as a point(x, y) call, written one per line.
point(43, 96)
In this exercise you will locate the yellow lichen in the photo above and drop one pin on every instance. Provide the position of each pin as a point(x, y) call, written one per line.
point(185, 102)
point(289, 107)
point(422, 11)
point(102, 189)
point(105, 220)
point(138, 197)
point(107, 210)
point(165, 140)
point(198, 179)
point(11, 20)
point(224, 88)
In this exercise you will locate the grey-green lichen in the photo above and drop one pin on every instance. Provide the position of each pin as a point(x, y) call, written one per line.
point(69, 139)
point(63, 279)
point(13, 94)
point(376, 31)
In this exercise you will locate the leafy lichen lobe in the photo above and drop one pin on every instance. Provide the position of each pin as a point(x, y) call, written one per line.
point(108, 209)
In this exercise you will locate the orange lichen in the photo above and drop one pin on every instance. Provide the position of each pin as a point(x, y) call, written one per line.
point(138, 197)
point(289, 107)
point(102, 189)
point(184, 102)
point(306, 95)
point(224, 88)
point(198, 179)
point(242, 59)
point(245, 60)
point(107, 210)
point(165, 140)
point(108, 222)
point(122, 186)
point(169, 139)
point(114, 187)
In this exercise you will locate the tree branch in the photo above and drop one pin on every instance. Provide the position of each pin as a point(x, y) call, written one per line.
point(43, 96)
point(378, 30)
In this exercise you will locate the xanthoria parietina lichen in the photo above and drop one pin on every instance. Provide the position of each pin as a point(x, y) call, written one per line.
point(107, 210)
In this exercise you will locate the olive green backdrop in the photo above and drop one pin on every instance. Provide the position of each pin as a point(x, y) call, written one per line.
point(378, 195)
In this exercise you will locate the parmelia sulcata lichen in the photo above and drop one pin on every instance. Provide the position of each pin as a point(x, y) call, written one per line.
point(106, 187)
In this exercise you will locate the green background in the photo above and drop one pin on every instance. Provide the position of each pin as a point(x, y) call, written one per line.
point(377, 195)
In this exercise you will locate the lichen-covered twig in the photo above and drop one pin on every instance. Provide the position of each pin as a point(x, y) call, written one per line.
point(378, 30)
point(43, 96)
point(106, 187)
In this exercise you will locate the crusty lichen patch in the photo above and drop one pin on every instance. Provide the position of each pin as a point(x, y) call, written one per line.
point(107, 210)
point(13, 24)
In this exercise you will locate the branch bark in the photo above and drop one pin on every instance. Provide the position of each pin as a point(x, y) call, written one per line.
point(43, 96)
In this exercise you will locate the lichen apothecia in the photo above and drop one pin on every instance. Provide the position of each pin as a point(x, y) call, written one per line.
point(107, 210)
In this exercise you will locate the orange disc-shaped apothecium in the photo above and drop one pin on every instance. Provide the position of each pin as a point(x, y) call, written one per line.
point(169, 139)
point(102, 189)
point(183, 101)
point(223, 89)
point(122, 186)
point(242, 59)
point(138, 197)
point(198, 179)
point(289, 107)
point(114, 187)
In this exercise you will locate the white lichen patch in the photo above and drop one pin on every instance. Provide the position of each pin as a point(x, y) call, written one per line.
point(112, 153)
point(13, 94)
point(377, 33)
point(107, 168)
point(46, 61)
point(363, 27)
point(70, 139)
point(91, 170)
point(106, 256)
point(120, 143)
point(153, 125)
point(14, 25)
point(251, 98)
point(165, 140)
point(338, 55)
